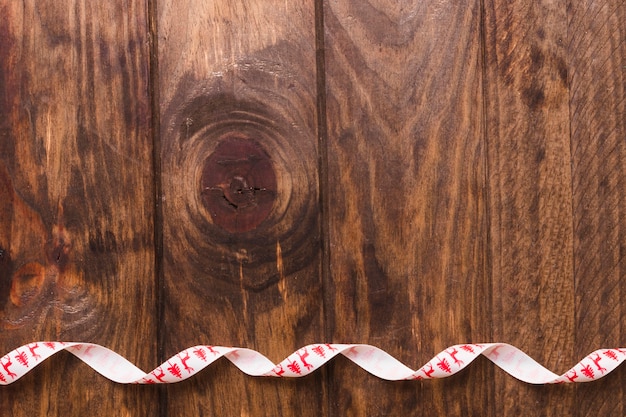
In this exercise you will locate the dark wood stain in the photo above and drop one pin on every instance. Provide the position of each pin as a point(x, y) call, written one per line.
point(404, 270)
point(256, 283)
point(238, 184)
point(407, 174)
point(529, 194)
point(596, 50)
point(74, 163)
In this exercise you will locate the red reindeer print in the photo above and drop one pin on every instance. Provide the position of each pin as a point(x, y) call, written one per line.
point(21, 358)
point(50, 345)
point(610, 354)
point(596, 362)
point(174, 369)
point(5, 366)
point(453, 354)
point(622, 351)
point(330, 347)
point(88, 349)
point(429, 373)
point(294, 367)
point(32, 347)
point(319, 351)
point(444, 365)
point(184, 362)
point(148, 381)
point(353, 352)
point(303, 357)
point(200, 354)
point(160, 375)
point(468, 348)
point(213, 351)
point(587, 371)
point(278, 370)
point(2, 378)
point(494, 353)
point(571, 377)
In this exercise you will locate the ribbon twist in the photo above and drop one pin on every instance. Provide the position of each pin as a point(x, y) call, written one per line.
point(306, 360)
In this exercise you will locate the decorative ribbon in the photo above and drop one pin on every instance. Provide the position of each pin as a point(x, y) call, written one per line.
point(306, 360)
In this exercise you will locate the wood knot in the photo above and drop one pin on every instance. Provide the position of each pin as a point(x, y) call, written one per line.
point(239, 174)
point(238, 184)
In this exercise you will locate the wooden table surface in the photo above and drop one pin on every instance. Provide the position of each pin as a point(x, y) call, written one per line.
point(269, 174)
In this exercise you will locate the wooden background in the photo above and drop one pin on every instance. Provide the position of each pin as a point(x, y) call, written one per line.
point(440, 173)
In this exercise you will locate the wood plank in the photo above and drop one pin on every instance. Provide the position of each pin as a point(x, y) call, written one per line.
point(76, 194)
point(408, 233)
point(530, 194)
point(241, 235)
point(596, 52)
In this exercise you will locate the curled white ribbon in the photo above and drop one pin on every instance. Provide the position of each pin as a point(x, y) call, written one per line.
point(306, 360)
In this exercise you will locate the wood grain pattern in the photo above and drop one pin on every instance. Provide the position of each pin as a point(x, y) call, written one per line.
point(76, 186)
point(597, 61)
point(441, 173)
point(240, 76)
point(407, 218)
point(530, 194)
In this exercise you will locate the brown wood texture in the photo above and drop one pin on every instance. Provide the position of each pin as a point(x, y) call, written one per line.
point(241, 217)
point(406, 168)
point(268, 174)
point(597, 66)
point(528, 142)
point(76, 186)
